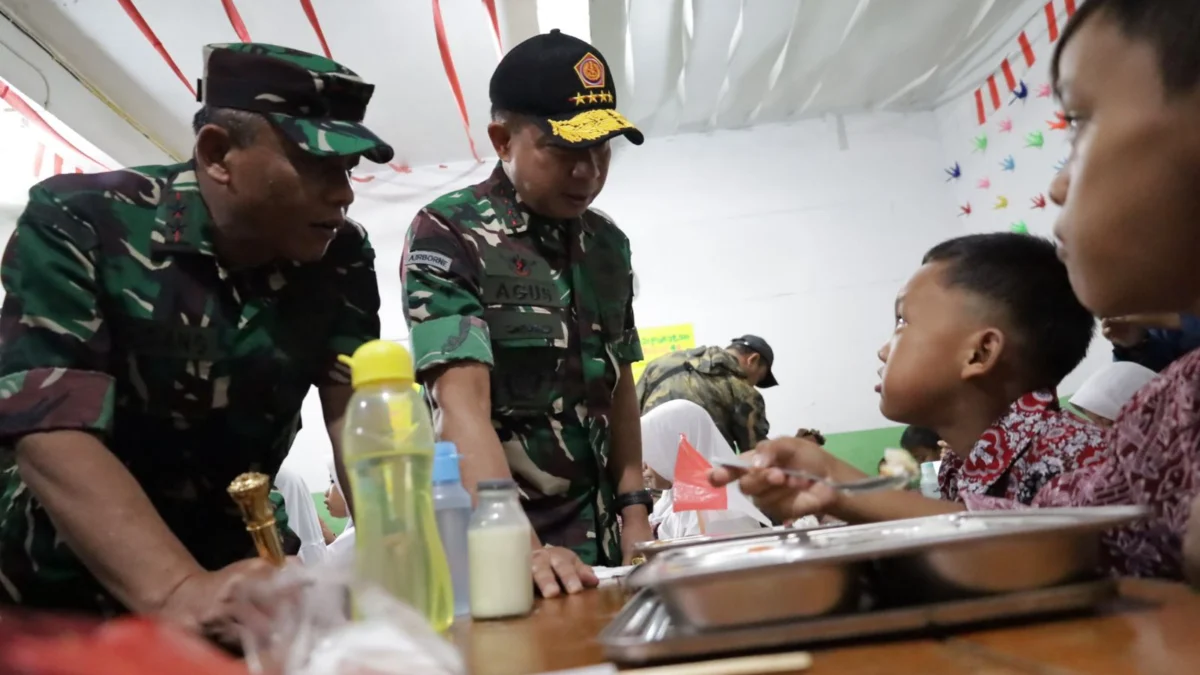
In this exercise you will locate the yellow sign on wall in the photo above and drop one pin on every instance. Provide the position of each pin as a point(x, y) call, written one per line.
point(661, 340)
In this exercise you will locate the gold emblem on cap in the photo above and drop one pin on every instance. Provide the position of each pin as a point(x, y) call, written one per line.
point(590, 71)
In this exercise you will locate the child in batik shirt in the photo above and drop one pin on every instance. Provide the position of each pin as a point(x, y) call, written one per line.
point(1128, 75)
point(985, 330)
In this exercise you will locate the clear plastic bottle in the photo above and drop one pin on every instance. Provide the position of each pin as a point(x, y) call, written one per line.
point(929, 480)
point(501, 552)
point(452, 508)
point(387, 446)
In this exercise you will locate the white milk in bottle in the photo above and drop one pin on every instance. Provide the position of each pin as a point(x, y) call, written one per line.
point(499, 542)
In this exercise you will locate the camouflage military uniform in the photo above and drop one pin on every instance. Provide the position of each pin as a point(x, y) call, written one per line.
point(712, 378)
point(548, 305)
point(120, 321)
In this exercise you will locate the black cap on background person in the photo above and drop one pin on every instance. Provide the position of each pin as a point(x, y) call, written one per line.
point(563, 85)
point(759, 346)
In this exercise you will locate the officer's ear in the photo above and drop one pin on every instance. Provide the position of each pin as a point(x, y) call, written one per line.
point(501, 135)
point(213, 145)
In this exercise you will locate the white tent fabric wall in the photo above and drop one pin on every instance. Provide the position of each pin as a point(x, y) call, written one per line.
point(681, 65)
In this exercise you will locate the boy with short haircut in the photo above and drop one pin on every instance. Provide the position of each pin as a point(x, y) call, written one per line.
point(985, 330)
point(921, 443)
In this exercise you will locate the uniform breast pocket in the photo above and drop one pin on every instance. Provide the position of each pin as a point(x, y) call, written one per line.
point(171, 367)
point(529, 345)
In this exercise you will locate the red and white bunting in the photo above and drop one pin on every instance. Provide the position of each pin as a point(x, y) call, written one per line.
point(1054, 13)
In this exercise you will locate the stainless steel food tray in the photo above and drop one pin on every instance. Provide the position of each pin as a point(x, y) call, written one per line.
point(650, 549)
point(819, 572)
point(644, 632)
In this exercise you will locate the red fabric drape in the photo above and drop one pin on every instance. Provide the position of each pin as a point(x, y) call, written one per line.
point(16, 102)
point(491, 10)
point(144, 27)
point(452, 75)
point(316, 26)
point(235, 20)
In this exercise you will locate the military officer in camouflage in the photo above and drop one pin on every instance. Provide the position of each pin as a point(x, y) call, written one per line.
point(160, 329)
point(519, 301)
point(722, 381)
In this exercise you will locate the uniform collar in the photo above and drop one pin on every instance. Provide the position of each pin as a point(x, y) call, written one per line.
point(517, 216)
point(182, 223)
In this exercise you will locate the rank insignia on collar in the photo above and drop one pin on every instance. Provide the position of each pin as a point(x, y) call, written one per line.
point(591, 71)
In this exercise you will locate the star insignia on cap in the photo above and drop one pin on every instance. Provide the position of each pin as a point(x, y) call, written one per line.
point(597, 97)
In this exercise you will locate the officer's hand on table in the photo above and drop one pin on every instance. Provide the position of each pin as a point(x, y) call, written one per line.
point(779, 495)
point(217, 603)
point(556, 569)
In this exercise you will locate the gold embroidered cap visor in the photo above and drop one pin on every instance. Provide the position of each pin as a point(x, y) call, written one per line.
point(587, 128)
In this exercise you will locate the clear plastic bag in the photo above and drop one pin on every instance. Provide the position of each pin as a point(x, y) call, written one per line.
point(309, 633)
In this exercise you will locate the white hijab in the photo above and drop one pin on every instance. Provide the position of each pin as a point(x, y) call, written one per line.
point(302, 515)
point(1111, 387)
point(341, 550)
point(661, 429)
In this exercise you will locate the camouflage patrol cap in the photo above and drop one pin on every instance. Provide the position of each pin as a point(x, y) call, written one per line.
point(565, 86)
point(316, 102)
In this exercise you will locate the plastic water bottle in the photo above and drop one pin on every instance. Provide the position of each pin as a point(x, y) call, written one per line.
point(452, 508)
point(929, 480)
point(387, 446)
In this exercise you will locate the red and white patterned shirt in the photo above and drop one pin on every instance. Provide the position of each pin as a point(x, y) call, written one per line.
point(1033, 443)
point(1153, 459)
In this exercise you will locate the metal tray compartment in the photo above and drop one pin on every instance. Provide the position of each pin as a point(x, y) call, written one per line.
point(644, 632)
point(749, 582)
point(819, 572)
point(650, 549)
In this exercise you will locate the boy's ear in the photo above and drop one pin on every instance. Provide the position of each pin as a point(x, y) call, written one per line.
point(985, 348)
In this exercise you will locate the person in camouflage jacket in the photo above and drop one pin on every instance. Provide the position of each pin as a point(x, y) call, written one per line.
point(160, 329)
point(519, 302)
point(722, 381)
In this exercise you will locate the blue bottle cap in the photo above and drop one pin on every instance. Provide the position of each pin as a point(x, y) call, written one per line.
point(445, 463)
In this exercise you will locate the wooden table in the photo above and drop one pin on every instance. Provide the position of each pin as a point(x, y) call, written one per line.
point(1153, 629)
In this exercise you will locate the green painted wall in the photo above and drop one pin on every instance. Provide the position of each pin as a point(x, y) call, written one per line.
point(863, 449)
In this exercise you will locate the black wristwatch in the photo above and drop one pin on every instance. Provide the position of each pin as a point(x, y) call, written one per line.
point(633, 498)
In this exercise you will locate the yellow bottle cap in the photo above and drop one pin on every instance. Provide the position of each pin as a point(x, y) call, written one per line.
point(379, 361)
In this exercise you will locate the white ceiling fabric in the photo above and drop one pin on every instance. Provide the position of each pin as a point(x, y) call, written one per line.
point(681, 65)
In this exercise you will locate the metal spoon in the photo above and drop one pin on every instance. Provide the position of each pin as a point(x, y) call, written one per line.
point(872, 484)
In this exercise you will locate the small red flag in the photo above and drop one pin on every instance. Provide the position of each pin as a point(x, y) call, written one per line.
point(1070, 8)
point(1027, 50)
point(994, 91)
point(980, 112)
point(691, 490)
point(1009, 78)
point(1052, 21)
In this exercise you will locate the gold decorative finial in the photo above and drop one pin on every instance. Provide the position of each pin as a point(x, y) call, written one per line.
point(252, 493)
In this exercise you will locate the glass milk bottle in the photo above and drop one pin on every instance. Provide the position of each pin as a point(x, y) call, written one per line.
point(501, 553)
point(387, 447)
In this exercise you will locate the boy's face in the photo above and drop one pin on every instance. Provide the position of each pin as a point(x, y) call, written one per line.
point(936, 345)
point(1130, 222)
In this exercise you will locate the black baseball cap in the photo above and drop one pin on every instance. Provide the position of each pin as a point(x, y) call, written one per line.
point(759, 346)
point(564, 85)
